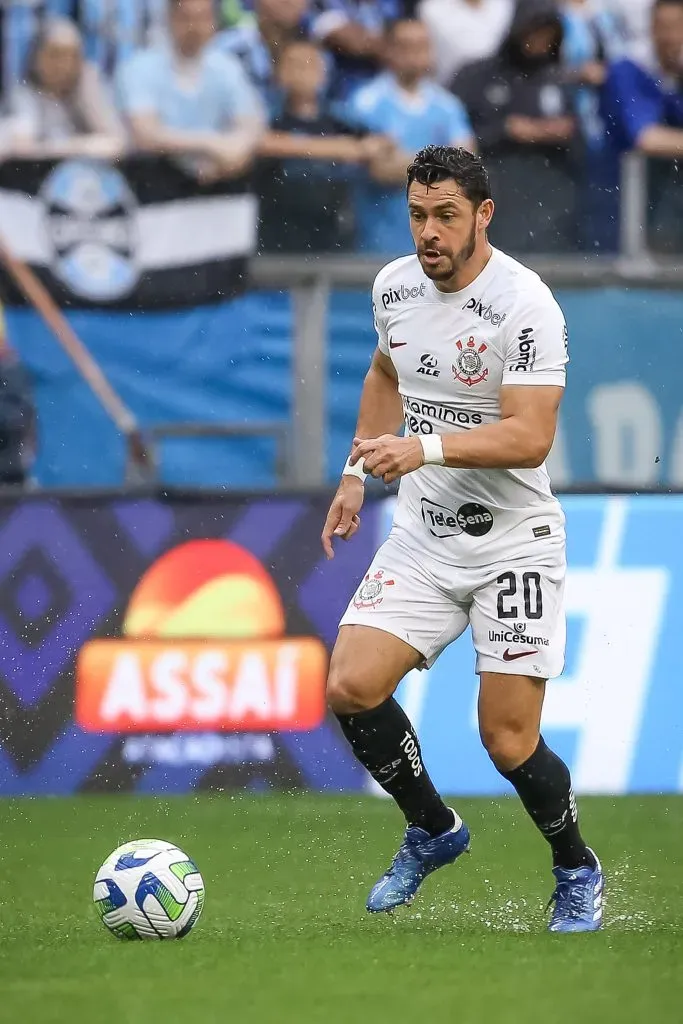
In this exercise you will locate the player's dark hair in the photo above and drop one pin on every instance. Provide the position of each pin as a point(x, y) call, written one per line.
point(439, 163)
point(667, 3)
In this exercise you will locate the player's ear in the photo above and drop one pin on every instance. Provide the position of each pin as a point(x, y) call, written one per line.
point(484, 214)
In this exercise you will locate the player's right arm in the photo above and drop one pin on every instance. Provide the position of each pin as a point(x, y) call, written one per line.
point(380, 412)
point(381, 408)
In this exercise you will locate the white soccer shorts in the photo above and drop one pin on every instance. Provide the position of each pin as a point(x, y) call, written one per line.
point(515, 608)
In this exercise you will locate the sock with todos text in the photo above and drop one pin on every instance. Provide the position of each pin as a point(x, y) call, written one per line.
point(385, 743)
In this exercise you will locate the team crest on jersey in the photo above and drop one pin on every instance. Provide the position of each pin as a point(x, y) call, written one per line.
point(370, 593)
point(469, 367)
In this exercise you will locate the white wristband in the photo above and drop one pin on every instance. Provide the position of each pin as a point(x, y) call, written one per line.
point(432, 448)
point(356, 470)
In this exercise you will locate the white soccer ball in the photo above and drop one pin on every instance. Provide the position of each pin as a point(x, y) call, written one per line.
point(149, 889)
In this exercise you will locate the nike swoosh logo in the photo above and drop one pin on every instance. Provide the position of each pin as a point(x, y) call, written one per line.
point(514, 655)
point(397, 344)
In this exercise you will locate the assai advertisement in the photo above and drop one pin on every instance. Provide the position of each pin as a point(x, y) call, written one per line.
point(159, 646)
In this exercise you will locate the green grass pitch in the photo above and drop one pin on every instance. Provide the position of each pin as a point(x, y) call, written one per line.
point(285, 937)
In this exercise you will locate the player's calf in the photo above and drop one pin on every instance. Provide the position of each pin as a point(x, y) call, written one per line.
point(509, 717)
point(509, 744)
point(367, 666)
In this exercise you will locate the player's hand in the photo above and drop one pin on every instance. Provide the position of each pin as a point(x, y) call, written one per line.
point(343, 519)
point(388, 456)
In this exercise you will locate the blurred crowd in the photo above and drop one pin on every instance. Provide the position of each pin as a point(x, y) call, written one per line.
point(325, 101)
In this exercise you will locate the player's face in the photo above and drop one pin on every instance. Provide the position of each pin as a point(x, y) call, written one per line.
point(445, 227)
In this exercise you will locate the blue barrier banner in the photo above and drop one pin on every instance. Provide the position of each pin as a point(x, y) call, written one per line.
point(621, 420)
point(159, 646)
point(616, 714)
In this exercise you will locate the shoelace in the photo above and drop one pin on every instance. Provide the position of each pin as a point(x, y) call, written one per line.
point(568, 899)
point(403, 853)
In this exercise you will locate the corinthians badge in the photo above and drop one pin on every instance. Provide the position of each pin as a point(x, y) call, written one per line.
point(469, 367)
point(369, 593)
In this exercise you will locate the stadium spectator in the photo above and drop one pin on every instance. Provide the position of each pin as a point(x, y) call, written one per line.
point(234, 12)
point(464, 31)
point(522, 114)
point(20, 22)
point(114, 29)
point(413, 111)
point(593, 36)
point(309, 161)
point(353, 30)
point(636, 16)
point(186, 99)
point(257, 42)
point(63, 108)
point(17, 416)
point(642, 102)
point(111, 30)
point(642, 105)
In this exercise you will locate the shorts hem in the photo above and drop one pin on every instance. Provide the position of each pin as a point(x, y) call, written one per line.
point(427, 659)
point(487, 663)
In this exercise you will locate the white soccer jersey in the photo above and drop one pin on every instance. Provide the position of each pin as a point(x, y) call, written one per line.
point(452, 352)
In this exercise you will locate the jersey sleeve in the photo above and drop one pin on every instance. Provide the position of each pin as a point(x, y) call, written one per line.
point(536, 348)
point(379, 317)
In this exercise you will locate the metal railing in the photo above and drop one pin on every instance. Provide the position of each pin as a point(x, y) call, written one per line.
point(146, 473)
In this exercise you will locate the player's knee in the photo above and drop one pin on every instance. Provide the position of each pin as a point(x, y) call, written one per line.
point(509, 744)
point(349, 691)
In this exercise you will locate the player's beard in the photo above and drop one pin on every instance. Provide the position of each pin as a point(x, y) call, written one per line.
point(453, 263)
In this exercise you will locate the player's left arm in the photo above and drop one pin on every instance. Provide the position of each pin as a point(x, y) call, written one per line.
point(521, 439)
point(532, 385)
point(531, 390)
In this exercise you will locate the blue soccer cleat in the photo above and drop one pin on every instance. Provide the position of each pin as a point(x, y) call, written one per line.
point(578, 899)
point(418, 855)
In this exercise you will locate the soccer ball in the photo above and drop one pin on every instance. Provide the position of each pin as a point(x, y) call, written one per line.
point(149, 889)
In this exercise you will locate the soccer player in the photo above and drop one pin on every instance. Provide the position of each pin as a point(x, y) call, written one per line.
point(471, 358)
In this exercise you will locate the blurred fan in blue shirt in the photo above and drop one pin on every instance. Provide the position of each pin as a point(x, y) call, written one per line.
point(350, 31)
point(184, 98)
point(259, 40)
point(594, 35)
point(642, 101)
point(404, 104)
point(354, 32)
